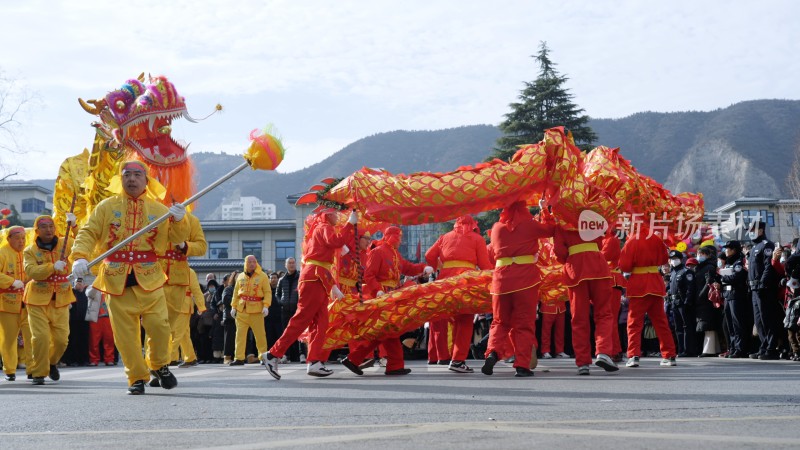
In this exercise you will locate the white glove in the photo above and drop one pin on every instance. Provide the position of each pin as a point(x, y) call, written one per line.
point(345, 250)
point(71, 218)
point(542, 203)
point(265, 311)
point(353, 217)
point(178, 211)
point(336, 293)
point(182, 245)
point(59, 265)
point(233, 313)
point(793, 283)
point(80, 268)
point(17, 284)
point(379, 293)
point(428, 270)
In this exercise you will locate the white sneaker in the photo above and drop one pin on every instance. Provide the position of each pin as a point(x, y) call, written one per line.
point(633, 361)
point(284, 360)
point(382, 362)
point(606, 363)
point(460, 367)
point(302, 358)
point(583, 370)
point(669, 362)
point(547, 356)
point(318, 369)
point(271, 364)
point(562, 355)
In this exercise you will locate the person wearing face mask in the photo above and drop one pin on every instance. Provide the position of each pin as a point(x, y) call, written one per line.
point(763, 281)
point(738, 309)
point(709, 318)
point(682, 294)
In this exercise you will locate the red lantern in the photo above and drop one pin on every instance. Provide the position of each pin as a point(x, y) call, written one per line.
point(5, 222)
point(5, 211)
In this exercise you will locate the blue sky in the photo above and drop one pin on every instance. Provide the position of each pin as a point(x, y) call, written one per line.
point(329, 73)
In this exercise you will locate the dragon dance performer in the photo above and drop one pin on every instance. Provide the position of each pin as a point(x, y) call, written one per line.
point(252, 297)
point(611, 250)
point(458, 251)
point(47, 298)
point(515, 296)
point(641, 257)
point(351, 263)
point(193, 298)
point(316, 284)
point(132, 277)
point(381, 275)
point(588, 281)
point(12, 287)
point(180, 279)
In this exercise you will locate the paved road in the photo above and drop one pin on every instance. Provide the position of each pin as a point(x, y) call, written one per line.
point(701, 403)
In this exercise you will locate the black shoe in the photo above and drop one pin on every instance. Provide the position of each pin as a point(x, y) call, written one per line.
point(754, 355)
point(403, 371)
point(523, 372)
point(154, 382)
point(444, 362)
point(488, 364)
point(175, 363)
point(11, 377)
point(769, 356)
point(367, 364)
point(37, 381)
point(30, 377)
point(432, 363)
point(185, 364)
point(737, 355)
point(352, 367)
point(55, 375)
point(137, 388)
point(165, 377)
point(237, 362)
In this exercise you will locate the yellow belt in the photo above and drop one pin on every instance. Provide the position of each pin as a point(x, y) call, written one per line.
point(509, 260)
point(389, 286)
point(585, 247)
point(319, 263)
point(347, 282)
point(616, 271)
point(645, 269)
point(457, 263)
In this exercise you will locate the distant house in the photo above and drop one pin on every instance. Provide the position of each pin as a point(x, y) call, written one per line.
point(29, 199)
point(733, 219)
point(249, 208)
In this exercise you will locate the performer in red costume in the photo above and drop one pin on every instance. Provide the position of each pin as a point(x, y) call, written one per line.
point(588, 282)
point(641, 257)
point(458, 251)
point(381, 275)
point(315, 285)
point(515, 247)
point(611, 250)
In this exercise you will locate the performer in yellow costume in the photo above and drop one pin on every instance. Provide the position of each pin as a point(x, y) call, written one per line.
point(252, 296)
point(179, 324)
point(133, 277)
point(12, 285)
point(47, 298)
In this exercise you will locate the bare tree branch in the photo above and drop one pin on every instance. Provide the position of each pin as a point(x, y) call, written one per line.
point(15, 101)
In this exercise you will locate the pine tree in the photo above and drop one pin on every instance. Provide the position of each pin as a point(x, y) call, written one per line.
point(544, 103)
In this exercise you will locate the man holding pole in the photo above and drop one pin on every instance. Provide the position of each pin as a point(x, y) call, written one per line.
point(132, 275)
point(47, 297)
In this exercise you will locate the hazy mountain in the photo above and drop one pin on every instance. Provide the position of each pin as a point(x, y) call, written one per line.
point(744, 149)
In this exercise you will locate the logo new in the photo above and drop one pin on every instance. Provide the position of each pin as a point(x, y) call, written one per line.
point(591, 225)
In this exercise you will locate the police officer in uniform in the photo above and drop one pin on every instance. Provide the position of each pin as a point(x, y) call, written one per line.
point(762, 280)
point(682, 295)
point(738, 310)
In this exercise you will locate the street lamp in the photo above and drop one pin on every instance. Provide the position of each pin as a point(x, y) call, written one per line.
point(9, 175)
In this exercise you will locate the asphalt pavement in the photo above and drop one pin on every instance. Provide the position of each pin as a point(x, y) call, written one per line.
point(700, 403)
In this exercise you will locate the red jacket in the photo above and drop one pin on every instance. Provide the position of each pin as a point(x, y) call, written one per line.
point(458, 246)
point(644, 255)
point(319, 252)
point(581, 265)
point(384, 267)
point(522, 241)
point(348, 268)
point(611, 250)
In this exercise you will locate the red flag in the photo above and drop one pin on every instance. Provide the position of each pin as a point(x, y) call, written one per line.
point(419, 250)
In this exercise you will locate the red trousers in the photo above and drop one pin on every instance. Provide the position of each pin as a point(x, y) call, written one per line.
point(312, 313)
point(588, 293)
point(438, 350)
point(653, 305)
point(463, 331)
point(553, 323)
point(101, 330)
point(616, 298)
point(392, 347)
point(514, 316)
